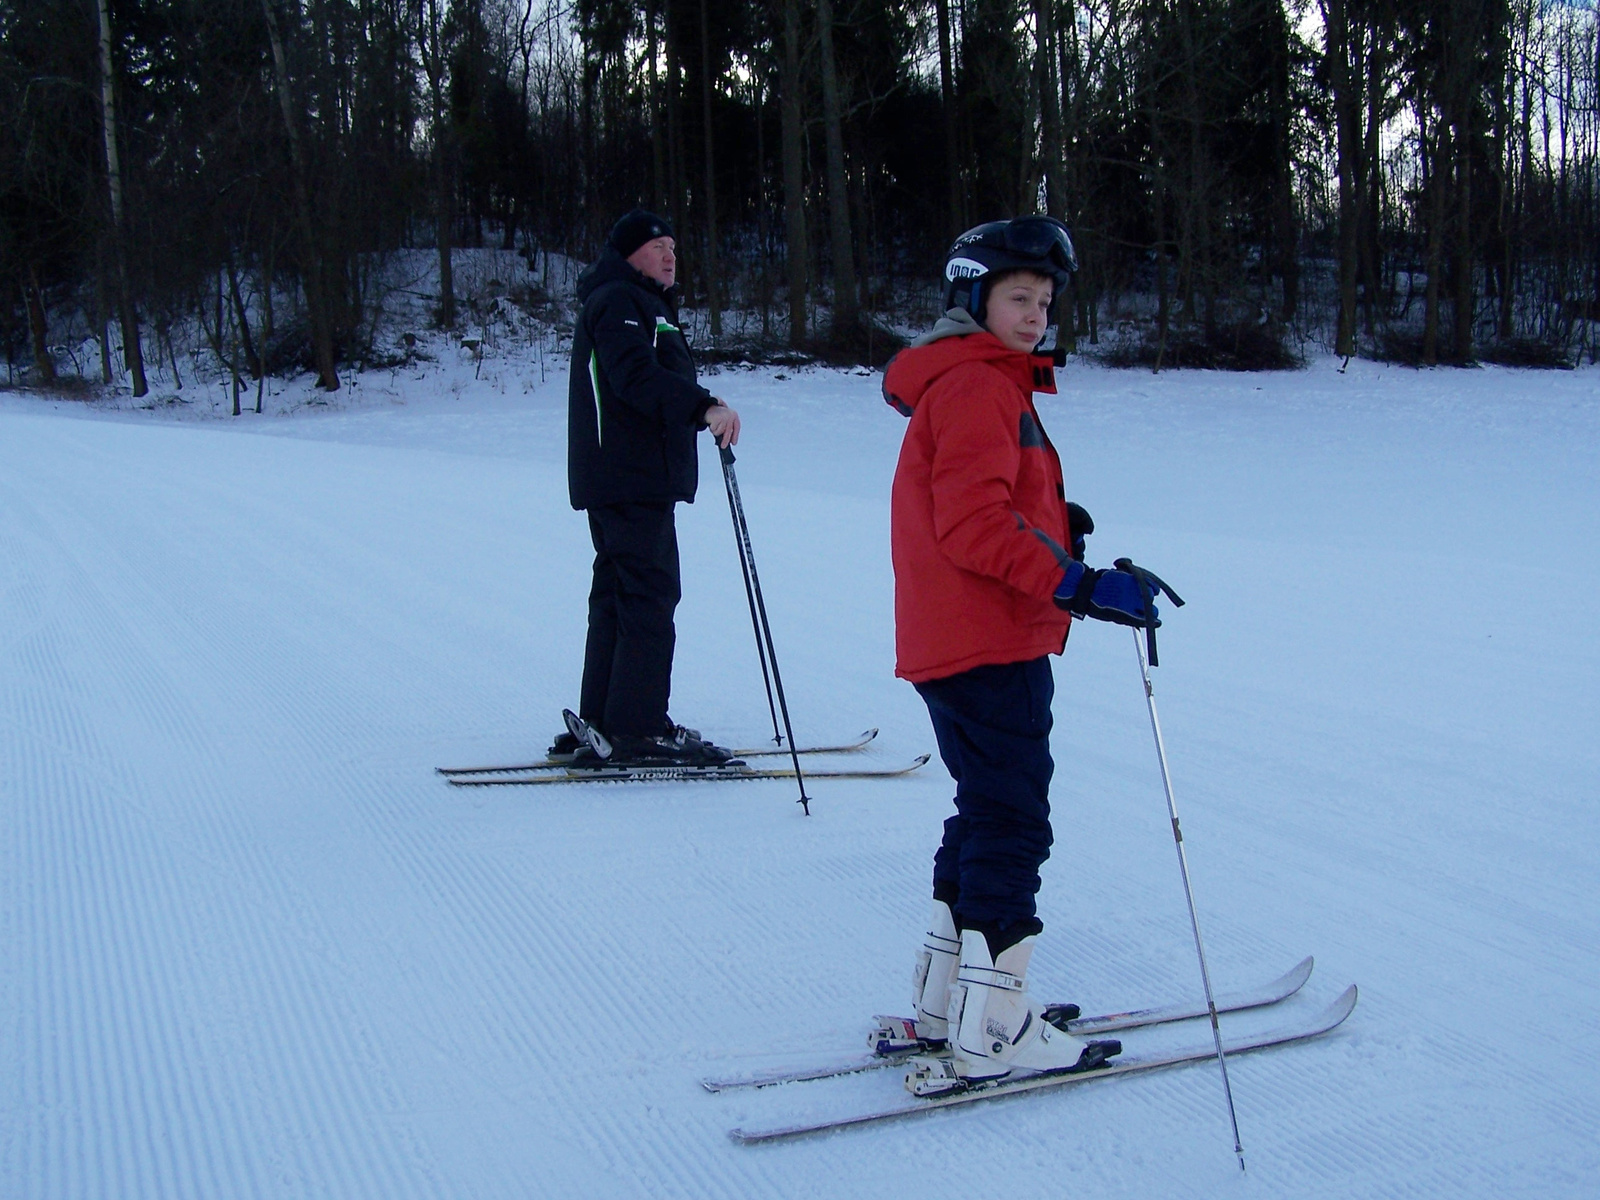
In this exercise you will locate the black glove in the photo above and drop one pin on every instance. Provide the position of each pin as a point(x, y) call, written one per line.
point(1080, 524)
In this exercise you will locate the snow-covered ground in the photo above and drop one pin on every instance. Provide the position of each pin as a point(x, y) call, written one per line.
point(254, 947)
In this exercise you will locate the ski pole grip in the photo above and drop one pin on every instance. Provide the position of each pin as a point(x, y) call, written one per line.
point(727, 455)
point(1144, 579)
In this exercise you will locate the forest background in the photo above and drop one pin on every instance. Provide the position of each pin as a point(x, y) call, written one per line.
point(1246, 180)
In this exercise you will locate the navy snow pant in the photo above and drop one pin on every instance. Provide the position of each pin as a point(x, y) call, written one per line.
point(627, 661)
point(993, 728)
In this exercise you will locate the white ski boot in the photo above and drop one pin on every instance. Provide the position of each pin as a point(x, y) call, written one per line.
point(930, 991)
point(997, 1030)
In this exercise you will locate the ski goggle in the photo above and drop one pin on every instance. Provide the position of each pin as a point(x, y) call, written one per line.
point(1041, 237)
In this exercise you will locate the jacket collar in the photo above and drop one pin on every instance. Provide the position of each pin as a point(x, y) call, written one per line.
point(611, 267)
point(954, 340)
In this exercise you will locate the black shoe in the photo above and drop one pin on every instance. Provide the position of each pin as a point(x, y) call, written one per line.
point(680, 731)
point(564, 747)
point(676, 751)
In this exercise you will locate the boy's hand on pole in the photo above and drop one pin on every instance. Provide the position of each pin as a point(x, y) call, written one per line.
point(1105, 596)
point(723, 423)
point(1125, 595)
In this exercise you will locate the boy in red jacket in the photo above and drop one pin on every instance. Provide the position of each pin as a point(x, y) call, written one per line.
point(985, 588)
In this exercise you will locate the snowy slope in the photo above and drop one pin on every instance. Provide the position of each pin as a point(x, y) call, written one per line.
point(254, 947)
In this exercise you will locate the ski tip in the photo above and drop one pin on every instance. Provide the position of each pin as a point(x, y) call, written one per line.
point(1299, 973)
point(920, 761)
point(1329, 1019)
point(754, 1137)
point(1345, 1004)
point(1335, 1014)
point(868, 734)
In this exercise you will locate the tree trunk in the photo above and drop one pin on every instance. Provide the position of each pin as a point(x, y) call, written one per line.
point(763, 220)
point(1163, 301)
point(675, 164)
point(846, 302)
point(316, 295)
point(443, 167)
point(164, 336)
point(268, 263)
point(1347, 117)
point(712, 280)
point(1462, 302)
point(1434, 190)
point(102, 320)
point(797, 253)
point(1285, 228)
point(1372, 183)
point(1195, 231)
point(947, 93)
point(242, 320)
point(1049, 87)
point(445, 195)
point(658, 149)
point(132, 353)
point(1523, 151)
point(44, 366)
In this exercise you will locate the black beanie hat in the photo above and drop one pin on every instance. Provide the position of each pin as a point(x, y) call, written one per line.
point(635, 229)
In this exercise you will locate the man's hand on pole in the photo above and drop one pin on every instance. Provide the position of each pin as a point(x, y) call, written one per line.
point(723, 423)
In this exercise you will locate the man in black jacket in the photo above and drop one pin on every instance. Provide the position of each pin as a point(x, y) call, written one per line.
point(633, 409)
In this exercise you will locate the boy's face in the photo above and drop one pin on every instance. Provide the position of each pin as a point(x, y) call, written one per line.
point(1019, 308)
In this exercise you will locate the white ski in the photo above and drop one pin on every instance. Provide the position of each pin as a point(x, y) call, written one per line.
point(1329, 1019)
point(669, 773)
point(551, 764)
point(1279, 989)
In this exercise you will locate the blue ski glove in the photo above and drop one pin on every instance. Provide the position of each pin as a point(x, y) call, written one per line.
point(1107, 596)
point(1081, 525)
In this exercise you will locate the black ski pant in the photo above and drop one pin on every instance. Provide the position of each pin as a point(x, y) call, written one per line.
point(627, 661)
point(992, 724)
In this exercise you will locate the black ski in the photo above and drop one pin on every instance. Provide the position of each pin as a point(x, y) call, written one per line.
point(678, 774)
point(551, 764)
point(1261, 996)
point(907, 1105)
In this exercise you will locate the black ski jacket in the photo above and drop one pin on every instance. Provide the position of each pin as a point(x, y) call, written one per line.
point(633, 406)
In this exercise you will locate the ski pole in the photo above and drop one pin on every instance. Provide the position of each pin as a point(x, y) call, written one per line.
point(1188, 892)
point(740, 538)
point(759, 614)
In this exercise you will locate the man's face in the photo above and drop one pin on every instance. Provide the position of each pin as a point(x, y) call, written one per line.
point(656, 260)
point(1018, 310)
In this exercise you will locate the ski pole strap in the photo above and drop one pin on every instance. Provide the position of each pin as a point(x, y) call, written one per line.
point(1150, 585)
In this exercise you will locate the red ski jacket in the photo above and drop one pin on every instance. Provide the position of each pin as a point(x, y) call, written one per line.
point(978, 515)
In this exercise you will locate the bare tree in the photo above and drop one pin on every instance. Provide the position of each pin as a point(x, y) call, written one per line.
point(132, 354)
point(846, 301)
point(315, 275)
